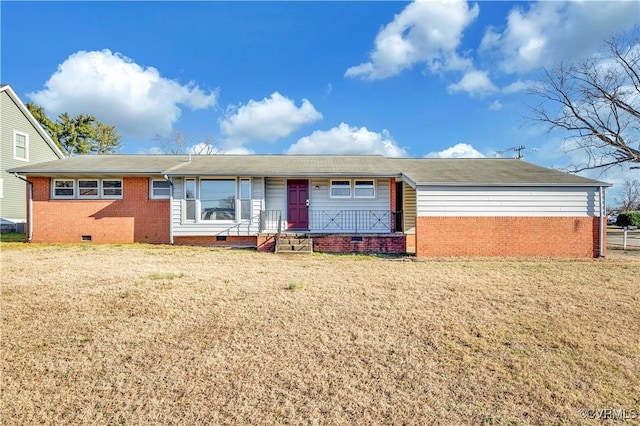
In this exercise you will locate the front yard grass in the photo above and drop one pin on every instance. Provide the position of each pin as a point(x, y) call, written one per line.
point(143, 334)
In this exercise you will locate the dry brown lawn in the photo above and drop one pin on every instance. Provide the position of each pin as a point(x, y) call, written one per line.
point(140, 334)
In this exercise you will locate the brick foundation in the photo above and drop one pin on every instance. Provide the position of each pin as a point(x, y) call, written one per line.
point(266, 243)
point(507, 236)
point(395, 244)
point(230, 241)
point(134, 218)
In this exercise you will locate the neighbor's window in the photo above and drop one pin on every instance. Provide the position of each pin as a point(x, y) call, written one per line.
point(340, 189)
point(112, 188)
point(245, 199)
point(160, 189)
point(64, 188)
point(364, 189)
point(218, 199)
point(87, 188)
point(190, 199)
point(20, 146)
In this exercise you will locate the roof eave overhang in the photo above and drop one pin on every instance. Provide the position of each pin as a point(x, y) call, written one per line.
point(520, 184)
point(84, 172)
point(291, 175)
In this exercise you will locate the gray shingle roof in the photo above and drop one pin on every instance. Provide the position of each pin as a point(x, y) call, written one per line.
point(428, 171)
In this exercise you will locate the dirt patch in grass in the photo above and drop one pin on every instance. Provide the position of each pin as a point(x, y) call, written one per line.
point(140, 334)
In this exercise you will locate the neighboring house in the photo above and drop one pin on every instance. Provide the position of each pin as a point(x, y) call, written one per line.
point(433, 207)
point(22, 141)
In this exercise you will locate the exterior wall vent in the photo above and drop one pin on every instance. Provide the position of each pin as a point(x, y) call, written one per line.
point(86, 238)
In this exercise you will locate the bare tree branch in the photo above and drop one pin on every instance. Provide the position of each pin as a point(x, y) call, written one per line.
point(182, 143)
point(597, 102)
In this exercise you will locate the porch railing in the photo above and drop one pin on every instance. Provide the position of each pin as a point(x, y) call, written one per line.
point(355, 221)
point(270, 220)
point(358, 221)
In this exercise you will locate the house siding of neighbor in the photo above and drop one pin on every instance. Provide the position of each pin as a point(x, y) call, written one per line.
point(23, 142)
point(430, 207)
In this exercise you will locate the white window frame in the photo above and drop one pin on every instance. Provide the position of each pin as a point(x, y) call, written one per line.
point(112, 197)
point(1, 188)
point(63, 197)
point(331, 187)
point(79, 190)
point(372, 186)
point(15, 146)
point(243, 197)
point(153, 195)
point(199, 204)
point(193, 199)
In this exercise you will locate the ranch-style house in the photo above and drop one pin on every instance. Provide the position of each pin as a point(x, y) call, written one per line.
point(430, 207)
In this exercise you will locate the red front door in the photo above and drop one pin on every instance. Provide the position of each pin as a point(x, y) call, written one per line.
point(297, 204)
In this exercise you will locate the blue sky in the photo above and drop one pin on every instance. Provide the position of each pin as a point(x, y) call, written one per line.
point(395, 78)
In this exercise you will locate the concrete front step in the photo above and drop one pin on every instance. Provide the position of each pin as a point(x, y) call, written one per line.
point(294, 243)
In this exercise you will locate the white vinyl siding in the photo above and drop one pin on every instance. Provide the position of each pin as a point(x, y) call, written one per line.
point(183, 227)
point(507, 201)
point(371, 213)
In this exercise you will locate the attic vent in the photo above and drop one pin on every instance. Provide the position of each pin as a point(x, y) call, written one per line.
point(86, 238)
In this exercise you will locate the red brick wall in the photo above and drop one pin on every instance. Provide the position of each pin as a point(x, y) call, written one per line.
point(507, 236)
point(370, 244)
point(231, 241)
point(392, 194)
point(266, 242)
point(134, 218)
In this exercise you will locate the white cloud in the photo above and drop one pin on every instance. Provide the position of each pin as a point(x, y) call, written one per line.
point(347, 140)
point(518, 86)
point(548, 31)
point(475, 83)
point(116, 90)
point(461, 150)
point(426, 32)
point(495, 105)
point(267, 120)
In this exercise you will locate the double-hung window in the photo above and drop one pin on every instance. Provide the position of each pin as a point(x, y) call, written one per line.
point(88, 188)
point(112, 188)
point(64, 188)
point(20, 146)
point(160, 189)
point(340, 189)
point(364, 188)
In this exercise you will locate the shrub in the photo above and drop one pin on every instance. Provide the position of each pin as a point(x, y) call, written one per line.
point(628, 218)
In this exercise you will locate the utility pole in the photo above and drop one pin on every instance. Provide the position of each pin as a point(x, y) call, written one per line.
point(517, 149)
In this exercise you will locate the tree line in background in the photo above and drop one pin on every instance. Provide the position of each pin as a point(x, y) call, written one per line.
point(82, 134)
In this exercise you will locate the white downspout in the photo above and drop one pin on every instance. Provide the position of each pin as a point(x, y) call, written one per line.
point(602, 223)
point(29, 207)
point(171, 206)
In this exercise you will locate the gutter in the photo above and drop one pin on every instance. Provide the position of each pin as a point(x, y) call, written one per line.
point(170, 209)
point(30, 207)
